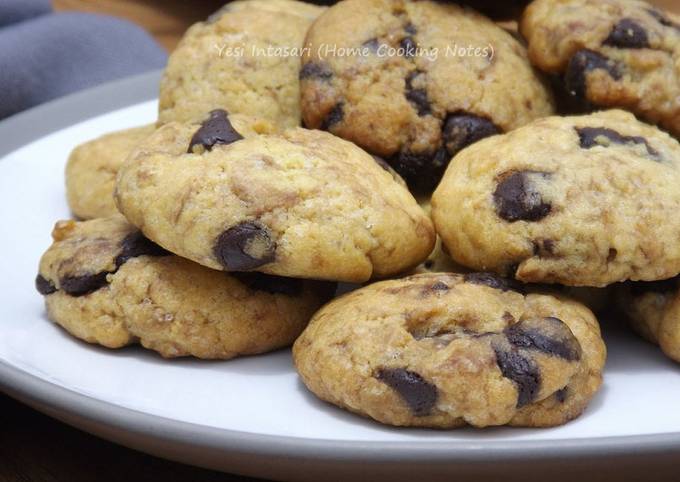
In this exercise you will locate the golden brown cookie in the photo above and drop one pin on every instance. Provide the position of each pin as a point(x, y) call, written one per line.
point(580, 201)
point(105, 283)
point(244, 59)
point(91, 171)
point(301, 204)
point(415, 82)
point(446, 350)
point(610, 53)
point(653, 310)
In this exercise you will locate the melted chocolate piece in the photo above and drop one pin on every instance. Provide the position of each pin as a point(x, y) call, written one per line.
point(334, 116)
point(421, 171)
point(522, 370)
point(213, 131)
point(584, 61)
point(409, 46)
point(246, 246)
point(44, 286)
point(417, 393)
point(417, 96)
point(517, 199)
point(556, 340)
point(561, 395)
point(85, 284)
point(628, 34)
point(134, 245)
point(588, 137)
point(462, 129)
point(372, 44)
point(315, 70)
point(440, 286)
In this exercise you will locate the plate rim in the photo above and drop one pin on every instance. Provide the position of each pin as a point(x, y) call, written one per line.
point(101, 417)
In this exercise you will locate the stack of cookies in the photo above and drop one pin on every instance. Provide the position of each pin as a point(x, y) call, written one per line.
point(453, 169)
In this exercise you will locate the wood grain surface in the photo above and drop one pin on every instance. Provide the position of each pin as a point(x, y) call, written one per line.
point(36, 448)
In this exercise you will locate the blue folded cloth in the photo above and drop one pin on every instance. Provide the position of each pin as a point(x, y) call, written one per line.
point(13, 11)
point(44, 55)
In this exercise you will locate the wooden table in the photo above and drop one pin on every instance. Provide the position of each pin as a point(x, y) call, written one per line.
point(36, 448)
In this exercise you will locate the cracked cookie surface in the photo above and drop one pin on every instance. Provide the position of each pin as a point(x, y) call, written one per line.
point(302, 204)
point(105, 283)
point(580, 201)
point(385, 75)
point(446, 350)
point(610, 53)
point(232, 62)
point(653, 310)
point(91, 171)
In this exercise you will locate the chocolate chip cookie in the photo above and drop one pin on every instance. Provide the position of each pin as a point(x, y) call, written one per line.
point(244, 59)
point(415, 82)
point(446, 350)
point(105, 283)
point(302, 204)
point(653, 310)
point(91, 171)
point(610, 53)
point(581, 201)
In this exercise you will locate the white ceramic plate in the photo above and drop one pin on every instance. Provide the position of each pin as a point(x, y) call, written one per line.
point(252, 415)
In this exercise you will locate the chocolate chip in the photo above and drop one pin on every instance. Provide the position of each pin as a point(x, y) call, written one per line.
point(417, 96)
point(272, 284)
point(548, 335)
point(561, 395)
point(663, 286)
point(440, 286)
point(315, 70)
point(422, 171)
point(372, 44)
point(134, 245)
point(334, 116)
point(408, 46)
point(522, 370)
point(594, 136)
point(44, 286)
point(584, 61)
point(410, 29)
point(517, 199)
point(627, 34)
point(246, 246)
point(493, 281)
point(83, 285)
point(462, 129)
point(215, 130)
point(419, 394)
